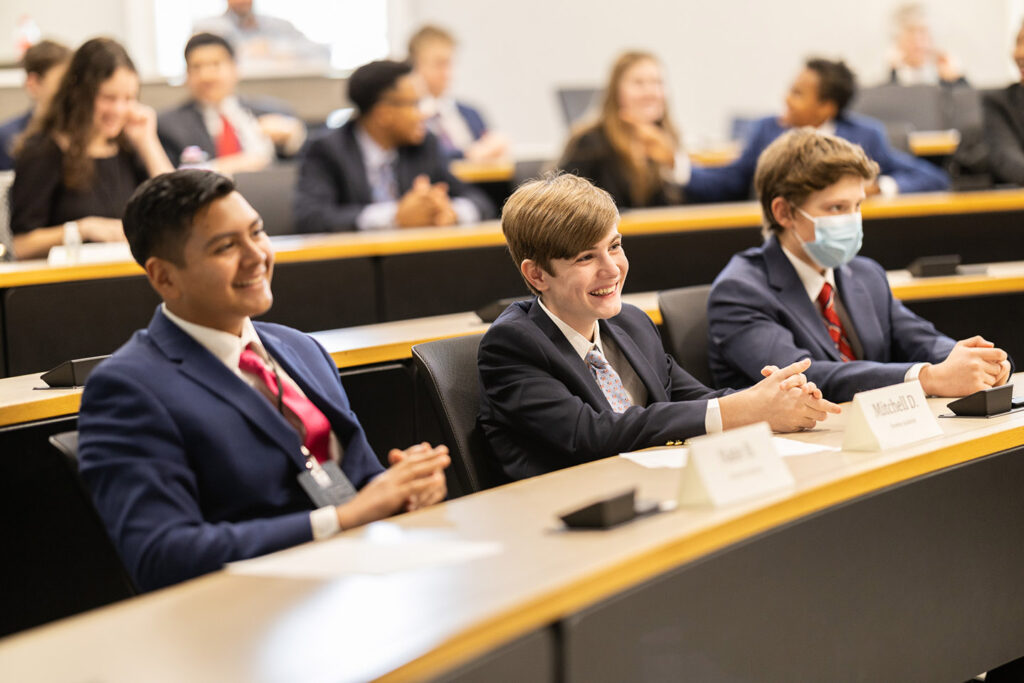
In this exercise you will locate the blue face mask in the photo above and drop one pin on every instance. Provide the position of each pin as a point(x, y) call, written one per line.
point(837, 238)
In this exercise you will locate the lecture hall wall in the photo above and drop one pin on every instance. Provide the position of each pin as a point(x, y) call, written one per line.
point(723, 58)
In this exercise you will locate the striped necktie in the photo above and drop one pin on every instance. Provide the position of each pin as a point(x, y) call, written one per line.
point(826, 300)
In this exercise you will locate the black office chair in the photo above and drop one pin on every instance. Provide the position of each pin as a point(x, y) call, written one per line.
point(684, 315)
point(271, 192)
point(449, 368)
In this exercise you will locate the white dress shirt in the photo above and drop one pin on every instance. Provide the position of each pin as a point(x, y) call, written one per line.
point(227, 348)
point(813, 281)
point(449, 121)
point(631, 382)
point(250, 135)
point(381, 215)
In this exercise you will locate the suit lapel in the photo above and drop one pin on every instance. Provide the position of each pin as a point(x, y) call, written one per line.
point(200, 366)
point(353, 164)
point(640, 363)
point(580, 376)
point(206, 141)
point(861, 311)
point(1016, 102)
point(790, 290)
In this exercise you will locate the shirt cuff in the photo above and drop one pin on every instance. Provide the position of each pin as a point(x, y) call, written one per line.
point(294, 142)
point(682, 170)
point(887, 186)
point(713, 417)
point(324, 522)
point(914, 372)
point(465, 210)
point(377, 216)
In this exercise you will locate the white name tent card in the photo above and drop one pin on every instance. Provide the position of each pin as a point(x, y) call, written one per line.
point(889, 417)
point(733, 466)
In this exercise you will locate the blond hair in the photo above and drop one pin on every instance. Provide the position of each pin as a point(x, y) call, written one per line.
point(555, 217)
point(428, 34)
point(803, 161)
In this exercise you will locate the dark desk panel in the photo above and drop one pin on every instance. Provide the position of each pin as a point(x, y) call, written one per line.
point(997, 317)
point(532, 658)
point(917, 582)
point(978, 237)
point(324, 295)
point(678, 259)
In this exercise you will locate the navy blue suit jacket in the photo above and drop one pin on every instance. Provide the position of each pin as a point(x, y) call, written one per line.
point(332, 188)
point(735, 181)
point(475, 123)
point(9, 131)
point(189, 466)
point(542, 410)
point(759, 314)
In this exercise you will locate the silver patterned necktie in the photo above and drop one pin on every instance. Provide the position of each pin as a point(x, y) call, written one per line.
point(608, 380)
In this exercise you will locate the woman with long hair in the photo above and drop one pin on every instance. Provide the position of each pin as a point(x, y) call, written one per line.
point(631, 148)
point(78, 163)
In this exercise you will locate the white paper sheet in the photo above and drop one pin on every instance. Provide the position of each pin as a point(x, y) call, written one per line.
point(675, 458)
point(340, 556)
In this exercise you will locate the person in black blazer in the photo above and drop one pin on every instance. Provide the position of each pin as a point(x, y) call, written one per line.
point(231, 132)
point(382, 170)
point(1004, 124)
point(574, 374)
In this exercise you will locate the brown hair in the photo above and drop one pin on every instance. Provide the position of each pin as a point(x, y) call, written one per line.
point(71, 111)
point(643, 175)
point(43, 56)
point(428, 34)
point(555, 217)
point(804, 161)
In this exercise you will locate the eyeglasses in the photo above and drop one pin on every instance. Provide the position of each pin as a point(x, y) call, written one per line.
point(399, 102)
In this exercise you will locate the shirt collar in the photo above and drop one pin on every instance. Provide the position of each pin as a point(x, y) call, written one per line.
point(580, 344)
point(828, 128)
point(809, 275)
point(228, 106)
point(226, 347)
point(374, 156)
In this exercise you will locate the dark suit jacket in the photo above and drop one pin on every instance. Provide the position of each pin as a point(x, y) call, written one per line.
point(542, 410)
point(1004, 132)
point(333, 189)
point(183, 126)
point(759, 314)
point(189, 466)
point(592, 156)
point(734, 182)
point(9, 131)
point(475, 123)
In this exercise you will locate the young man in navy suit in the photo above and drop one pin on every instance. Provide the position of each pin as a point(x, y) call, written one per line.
point(806, 294)
point(209, 438)
point(818, 99)
point(574, 374)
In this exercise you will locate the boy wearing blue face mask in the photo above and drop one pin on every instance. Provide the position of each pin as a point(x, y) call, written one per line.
point(806, 294)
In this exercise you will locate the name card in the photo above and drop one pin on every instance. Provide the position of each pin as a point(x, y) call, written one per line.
point(733, 466)
point(889, 417)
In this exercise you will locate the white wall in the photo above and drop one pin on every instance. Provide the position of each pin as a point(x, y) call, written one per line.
point(725, 57)
point(722, 58)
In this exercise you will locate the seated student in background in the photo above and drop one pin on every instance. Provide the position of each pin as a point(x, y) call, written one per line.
point(914, 59)
point(79, 163)
point(1004, 123)
point(574, 374)
point(632, 150)
point(382, 169)
point(806, 294)
point(818, 99)
point(44, 65)
point(237, 133)
point(196, 436)
point(459, 127)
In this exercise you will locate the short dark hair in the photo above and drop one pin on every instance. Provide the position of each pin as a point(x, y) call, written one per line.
point(43, 56)
point(368, 83)
point(836, 83)
point(203, 39)
point(158, 218)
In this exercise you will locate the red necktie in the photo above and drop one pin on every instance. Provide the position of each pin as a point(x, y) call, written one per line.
point(227, 143)
point(826, 300)
point(315, 427)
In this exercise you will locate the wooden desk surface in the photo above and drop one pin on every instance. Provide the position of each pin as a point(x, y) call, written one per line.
point(419, 623)
point(299, 248)
point(22, 399)
point(926, 143)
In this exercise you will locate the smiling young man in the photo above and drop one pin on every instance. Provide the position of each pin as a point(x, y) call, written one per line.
point(818, 98)
point(806, 294)
point(236, 133)
point(209, 438)
point(574, 374)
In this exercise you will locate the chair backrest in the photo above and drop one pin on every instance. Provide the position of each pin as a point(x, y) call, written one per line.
point(576, 102)
point(6, 243)
point(684, 315)
point(450, 370)
point(923, 107)
point(271, 192)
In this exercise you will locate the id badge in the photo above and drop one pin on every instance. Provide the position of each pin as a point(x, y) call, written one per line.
point(326, 485)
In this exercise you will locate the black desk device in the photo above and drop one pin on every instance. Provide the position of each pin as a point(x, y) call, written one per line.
point(985, 402)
